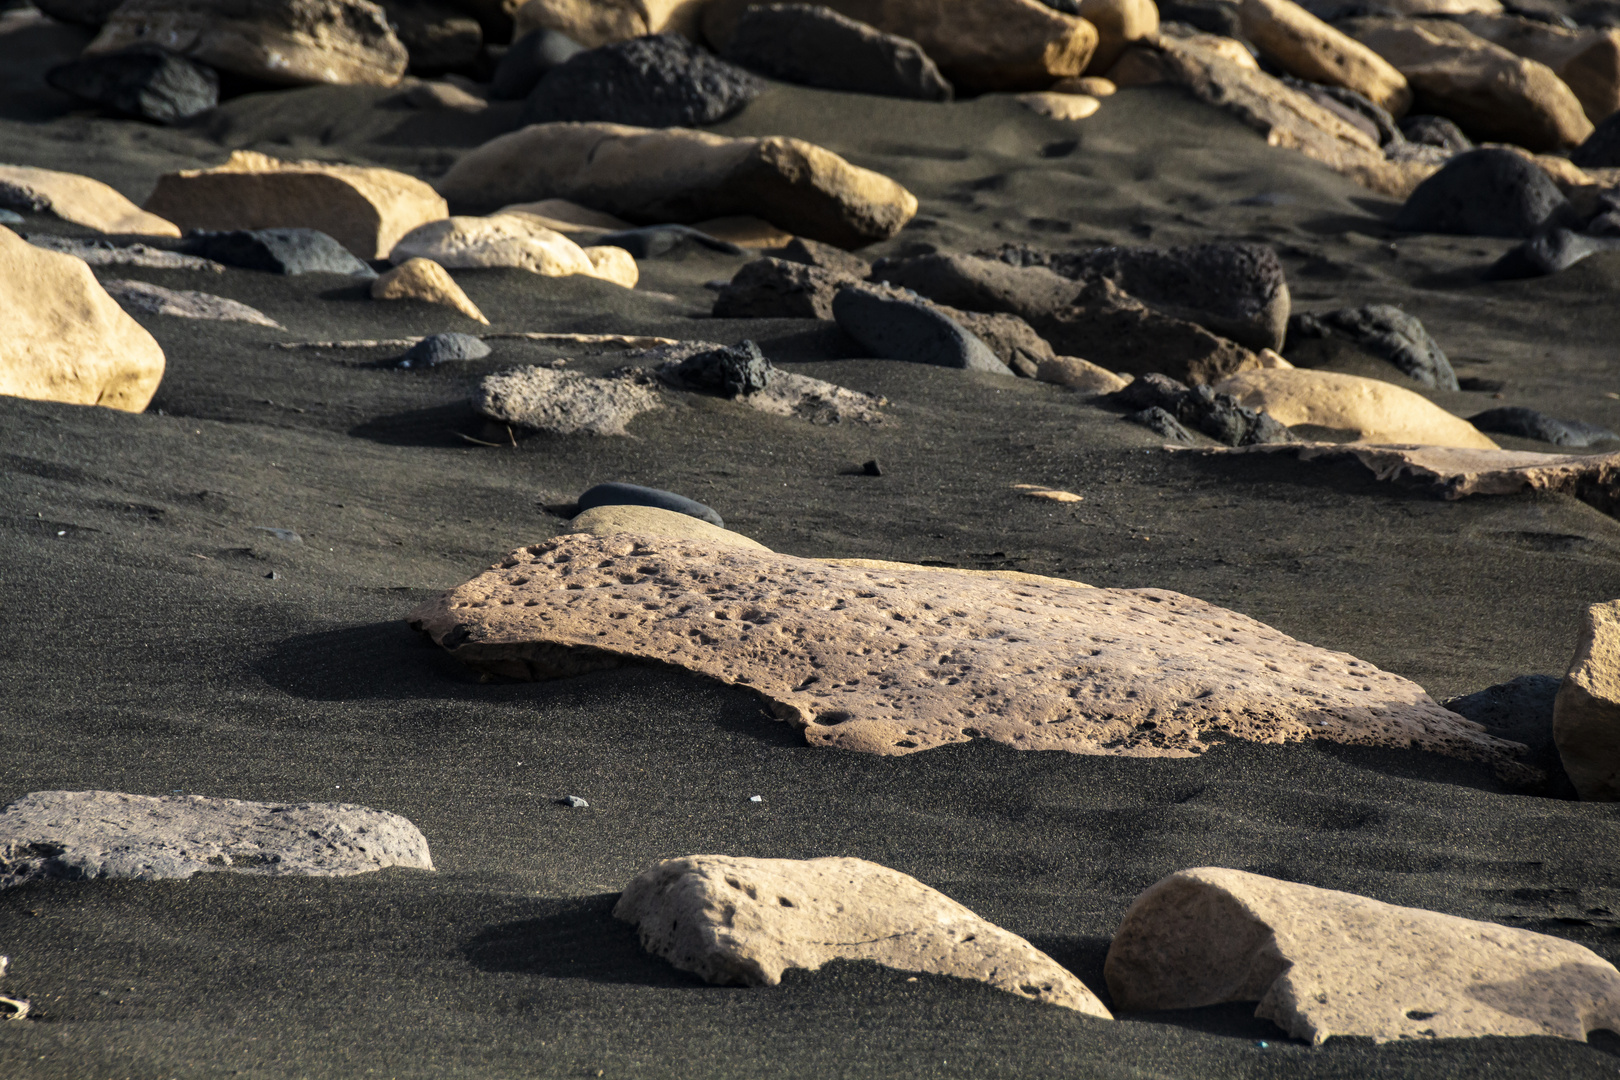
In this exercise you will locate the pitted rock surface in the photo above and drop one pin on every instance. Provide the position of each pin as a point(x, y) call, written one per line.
point(892, 661)
point(563, 402)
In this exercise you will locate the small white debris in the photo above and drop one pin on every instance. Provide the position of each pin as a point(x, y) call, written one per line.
point(574, 801)
point(756, 798)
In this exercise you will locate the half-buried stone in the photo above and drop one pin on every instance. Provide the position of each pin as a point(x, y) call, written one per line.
point(900, 329)
point(78, 199)
point(78, 835)
point(1382, 330)
point(1549, 253)
point(1032, 664)
point(1485, 192)
point(278, 251)
point(816, 46)
point(536, 398)
point(1530, 424)
point(1367, 410)
point(144, 82)
point(152, 299)
point(661, 80)
point(620, 494)
point(425, 280)
point(443, 349)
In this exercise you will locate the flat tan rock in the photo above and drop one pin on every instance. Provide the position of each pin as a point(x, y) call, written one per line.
point(1586, 713)
point(1324, 963)
point(363, 208)
point(745, 231)
point(601, 22)
point(65, 339)
point(427, 281)
point(1018, 577)
point(509, 240)
point(681, 175)
point(1055, 106)
point(78, 199)
point(1078, 374)
point(1095, 85)
point(1372, 410)
point(1588, 60)
point(614, 264)
point(1118, 23)
point(652, 521)
point(1306, 47)
point(151, 299)
point(1049, 494)
point(569, 214)
point(893, 661)
point(563, 402)
point(745, 921)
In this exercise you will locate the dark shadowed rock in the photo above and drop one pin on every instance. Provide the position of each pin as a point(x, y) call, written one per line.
point(730, 371)
point(1484, 193)
point(1530, 424)
point(1384, 331)
point(774, 391)
point(528, 60)
point(444, 349)
point(82, 12)
point(657, 81)
point(1219, 416)
point(1521, 710)
point(1601, 150)
point(142, 82)
point(1550, 252)
point(777, 289)
point(651, 241)
point(278, 251)
point(1158, 420)
point(617, 494)
point(1435, 131)
point(816, 46)
point(815, 253)
point(1217, 17)
point(896, 328)
point(437, 36)
point(976, 284)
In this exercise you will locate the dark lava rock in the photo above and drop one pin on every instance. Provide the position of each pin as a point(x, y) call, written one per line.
point(1115, 330)
point(1521, 710)
point(1211, 16)
point(772, 288)
point(902, 329)
point(1601, 150)
point(616, 494)
point(661, 80)
point(278, 251)
point(651, 241)
point(975, 284)
point(1217, 415)
point(816, 46)
point(438, 36)
point(1552, 251)
point(731, 371)
point(1484, 193)
point(143, 82)
point(1384, 331)
point(815, 253)
point(83, 12)
point(1158, 419)
point(1530, 424)
point(1435, 131)
point(528, 60)
point(443, 348)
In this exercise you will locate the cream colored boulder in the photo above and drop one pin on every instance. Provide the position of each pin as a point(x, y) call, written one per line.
point(365, 209)
point(1372, 410)
point(1078, 374)
point(680, 175)
point(1305, 46)
point(1324, 963)
point(65, 339)
point(614, 264)
point(568, 217)
point(1055, 106)
point(78, 199)
point(510, 240)
point(1586, 713)
point(427, 281)
point(653, 521)
point(1588, 60)
point(290, 42)
point(600, 22)
point(746, 921)
point(1118, 23)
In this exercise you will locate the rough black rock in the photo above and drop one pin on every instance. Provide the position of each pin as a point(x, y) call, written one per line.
point(1435, 131)
point(903, 329)
point(1521, 710)
point(1530, 424)
point(616, 494)
point(975, 284)
point(444, 348)
point(651, 241)
point(143, 82)
point(278, 251)
point(1484, 192)
point(1601, 150)
point(1384, 331)
point(1157, 419)
point(1552, 251)
point(816, 46)
point(773, 288)
point(657, 81)
point(437, 36)
point(731, 371)
point(527, 62)
point(1217, 415)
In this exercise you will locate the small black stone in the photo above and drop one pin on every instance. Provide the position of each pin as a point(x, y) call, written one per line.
point(617, 494)
point(872, 468)
point(143, 82)
point(662, 80)
point(731, 371)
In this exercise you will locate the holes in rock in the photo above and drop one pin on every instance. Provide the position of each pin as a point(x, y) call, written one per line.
point(1418, 1014)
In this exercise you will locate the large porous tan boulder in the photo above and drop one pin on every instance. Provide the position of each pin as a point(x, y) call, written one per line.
point(1323, 963)
point(427, 281)
point(1305, 46)
point(614, 264)
point(290, 42)
point(65, 339)
point(78, 199)
point(500, 240)
point(1491, 93)
point(600, 22)
point(1371, 410)
point(982, 45)
point(1118, 23)
point(1586, 714)
point(654, 521)
point(680, 175)
point(746, 921)
point(1588, 60)
point(366, 209)
point(1128, 672)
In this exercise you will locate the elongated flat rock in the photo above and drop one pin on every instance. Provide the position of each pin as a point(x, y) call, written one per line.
point(892, 659)
point(151, 299)
point(78, 835)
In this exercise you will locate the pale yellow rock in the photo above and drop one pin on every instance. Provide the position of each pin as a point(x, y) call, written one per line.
point(1305, 46)
point(1271, 358)
point(431, 96)
point(78, 199)
point(366, 209)
point(653, 521)
point(1036, 491)
point(425, 280)
point(565, 216)
point(65, 339)
point(1059, 106)
point(1078, 374)
point(1095, 85)
point(1118, 23)
point(1588, 60)
point(614, 264)
point(1586, 713)
point(1016, 576)
point(1373, 410)
point(510, 240)
point(745, 231)
point(601, 22)
point(1324, 963)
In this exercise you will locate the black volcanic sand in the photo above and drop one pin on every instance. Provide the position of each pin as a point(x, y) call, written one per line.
point(159, 640)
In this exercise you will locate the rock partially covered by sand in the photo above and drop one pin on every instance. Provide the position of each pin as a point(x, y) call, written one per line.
point(1486, 192)
point(1587, 59)
point(288, 42)
point(80, 835)
point(1384, 331)
point(1324, 963)
point(973, 283)
point(679, 175)
point(1372, 410)
point(1305, 46)
point(899, 328)
point(78, 199)
point(65, 339)
point(746, 921)
point(1586, 715)
point(427, 281)
point(784, 393)
point(1111, 328)
point(1126, 672)
point(815, 46)
point(563, 402)
point(1078, 374)
point(510, 240)
point(655, 521)
point(365, 209)
point(599, 22)
point(614, 264)
point(151, 299)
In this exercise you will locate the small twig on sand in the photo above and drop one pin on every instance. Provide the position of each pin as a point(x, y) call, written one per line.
point(511, 436)
point(481, 442)
point(18, 1006)
point(632, 341)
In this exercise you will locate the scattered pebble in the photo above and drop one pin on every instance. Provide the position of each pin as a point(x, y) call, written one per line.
point(574, 802)
point(443, 349)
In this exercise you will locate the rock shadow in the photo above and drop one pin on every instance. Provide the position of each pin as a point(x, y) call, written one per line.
point(439, 426)
point(574, 938)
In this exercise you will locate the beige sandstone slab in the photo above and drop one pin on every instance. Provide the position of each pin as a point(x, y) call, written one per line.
point(653, 521)
point(1306, 47)
point(1586, 713)
point(1323, 963)
point(501, 240)
point(1588, 60)
point(1118, 23)
point(1078, 374)
point(427, 281)
point(1055, 106)
point(746, 921)
point(1374, 411)
point(895, 660)
point(1050, 494)
point(78, 199)
point(563, 402)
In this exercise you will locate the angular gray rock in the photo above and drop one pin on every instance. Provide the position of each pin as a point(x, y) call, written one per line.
point(1548, 253)
point(1530, 424)
point(277, 251)
point(152, 299)
point(658, 81)
point(563, 402)
point(729, 370)
point(142, 81)
point(816, 46)
point(444, 348)
point(1157, 399)
point(901, 329)
point(1485, 192)
point(1386, 332)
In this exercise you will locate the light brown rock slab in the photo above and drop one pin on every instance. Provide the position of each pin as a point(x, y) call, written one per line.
point(366, 209)
point(1586, 713)
point(893, 661)
point(1324, 963)
point(745, 921)
point(79, 835)
point(427, 281)
point(563, 402)
point(1371, 410)
point(1306, 47)
point(151, 299)
point(1049, 494)
point(653, 521)
point(1588, 59)
point(78, 199)
point(1055, 106)
point(512, 240)
point(66, 339)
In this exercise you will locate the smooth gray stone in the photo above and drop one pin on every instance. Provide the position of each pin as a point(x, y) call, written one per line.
point(909, 330)
point(1484, 192)
point(617, 494)
point(1530, 424)
point(816, 46)
point(444, 348)
point(1552, 251)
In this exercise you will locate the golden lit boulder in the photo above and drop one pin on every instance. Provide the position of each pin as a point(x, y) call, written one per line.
point(1586, 713)
point(1118, 23)
point(78, 199)
point(601, 22)
point(1371, 410)
point(655, 521)
point(509, 240)
point(614, 264)
point(427, 281)
point(1305, 46)
point(1588, 59)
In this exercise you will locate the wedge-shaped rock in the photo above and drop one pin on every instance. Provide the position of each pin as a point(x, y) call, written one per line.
point(1305, 46)
point(563, 402)
point(77, 835)
point(746, 921)
point(655, 521)
point(65, 339)
point(78, 199)
point(1323, 963)
point(1588, 60)
point(1373, 410)
point(601, 22)
point(1586, 715)
point(151, 299)
point(365, 209)
point(510, 240)
point(897, 660)
point(680, 175)
point(427, 281)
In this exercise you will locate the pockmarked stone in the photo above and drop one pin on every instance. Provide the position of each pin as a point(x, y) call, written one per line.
point(655, 521)
point(511, 240)
point(730, 370)
point(1586, 714)
point(1484, 192)
point(1305, 46)
point(563, 402)
point(78, 199)
point(1212, 411)
point(1385, 331)
point(65, 339)
point(615, 493)
point(1372, 410)
point(1125, 672)
point(151, 299)
point(108, 253)
point(896, 328)
point(742, 921)
point(813, 45)
point(1323, 963)
point(1531, 424)
point(91, 835)
point(662, 80)
point(448, 348)
point(425, 280)
point(143, 82)
point(277, 251)
point(527, 60)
